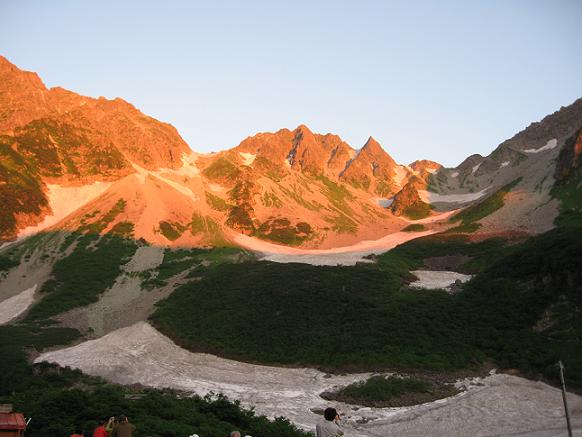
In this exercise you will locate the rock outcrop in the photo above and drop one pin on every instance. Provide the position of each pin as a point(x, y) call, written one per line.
point(570, 158)
point(407, 201)
point(372, 169)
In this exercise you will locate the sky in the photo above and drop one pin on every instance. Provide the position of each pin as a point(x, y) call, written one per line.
point(433, 80)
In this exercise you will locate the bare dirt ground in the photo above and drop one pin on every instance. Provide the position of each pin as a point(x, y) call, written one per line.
point(34, 269)
point(145, 258)
point(498, 405)
point(125, 303)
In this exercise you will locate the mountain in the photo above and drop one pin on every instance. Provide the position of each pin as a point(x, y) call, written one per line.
point(290, 187)
point(121, 229)
point(530, 162)
point(53, 136)
point(373, 169)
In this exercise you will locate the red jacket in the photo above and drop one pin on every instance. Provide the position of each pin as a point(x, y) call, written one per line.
point(100, 432)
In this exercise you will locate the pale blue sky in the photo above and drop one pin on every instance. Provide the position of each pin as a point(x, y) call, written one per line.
point(428, 79)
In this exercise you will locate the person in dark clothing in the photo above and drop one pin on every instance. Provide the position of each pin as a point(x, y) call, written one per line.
point(123, 427)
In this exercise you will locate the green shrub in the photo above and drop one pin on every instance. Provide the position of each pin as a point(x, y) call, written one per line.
point(216, 202)
point(380, 388)
point(414, 227)
point(222, 170)
point(280, 230)
point(270, 200)
point(364, 319)
point(474, 213)
point(171, 230)
point(417, 211)
point(337, 194)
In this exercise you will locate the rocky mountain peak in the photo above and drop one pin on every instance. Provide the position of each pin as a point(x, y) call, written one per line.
point(425, 165)
point(570, 158)
point(9, 71)
point(22, 96)
point(372, 146)
point(372, 169)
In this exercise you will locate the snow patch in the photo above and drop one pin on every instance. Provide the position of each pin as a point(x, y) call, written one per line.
point(431, 280)
point(549, 146)
point(495, 405)
point(455, 174)
point(248, 158)
point(384, 203)
point(505, 164)
point(63, 201)
point(430, 197)
point(16, 305)
point(475, 168)
point(139, 354)
point(400, 175)
point(346, 255)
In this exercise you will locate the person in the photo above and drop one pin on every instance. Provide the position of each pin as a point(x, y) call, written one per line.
point(78, 433)
point(235, 434)
point(330, 426)
point(123, 428)
point(101, 430)
point(110, 425)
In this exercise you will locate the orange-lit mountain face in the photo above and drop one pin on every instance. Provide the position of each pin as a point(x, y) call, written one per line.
point(68, 161)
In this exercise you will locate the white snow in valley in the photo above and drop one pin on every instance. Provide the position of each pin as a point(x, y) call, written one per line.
point(384, 203)
point(16, 305)
point(495, 405)
point(475, 168)
point(141, 354)
point(63, 201)
point(346, 255)
point(549, 146)
point(499, 405)
point(400, 175)
point(248, 158)
point(504, 164)
point(431, 280)
point(430, 197)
